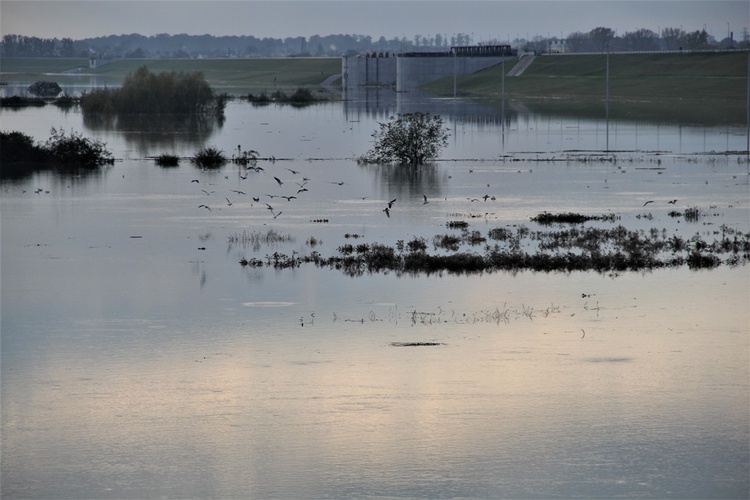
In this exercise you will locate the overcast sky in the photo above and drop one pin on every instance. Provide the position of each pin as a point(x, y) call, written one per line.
point(486, 20)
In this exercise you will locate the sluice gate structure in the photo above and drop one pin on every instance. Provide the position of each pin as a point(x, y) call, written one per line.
point(406, 72)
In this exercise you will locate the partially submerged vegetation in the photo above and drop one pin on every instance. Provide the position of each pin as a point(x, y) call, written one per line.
point(167, 160)
point(546, 218)
point(144, 92)
point(407, 139)
point(598, 249)
point(20, 155)
point(300, 97)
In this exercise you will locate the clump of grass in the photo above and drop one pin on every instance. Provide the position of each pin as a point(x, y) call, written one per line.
point(417, 245)
point(546, 218)
point(260, 99)
point(446, 241)
point(167, 160)
point(692, 214)
point(500, 234)
point(209, 157)
point(312, 242)
point(474, 238)
point(256, 239)
point(457, 224)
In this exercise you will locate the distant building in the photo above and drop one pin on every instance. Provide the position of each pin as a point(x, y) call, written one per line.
point(407, 71)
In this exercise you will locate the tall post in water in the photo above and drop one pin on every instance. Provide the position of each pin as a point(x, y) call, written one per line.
point(606, 97)
point(747, 103)
point(502, 79)
point(455, 70)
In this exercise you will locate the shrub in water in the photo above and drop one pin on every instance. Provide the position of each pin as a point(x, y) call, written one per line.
point(209, 157)
point(410, 139)
point(74, 149)
point(168, 160)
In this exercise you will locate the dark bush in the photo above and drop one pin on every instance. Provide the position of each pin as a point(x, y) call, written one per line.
point(16, 147)
point(162, 93)
point(167, 160)
point(74, 149)
point(45, 89)
point(209, 157)
point(410, 139)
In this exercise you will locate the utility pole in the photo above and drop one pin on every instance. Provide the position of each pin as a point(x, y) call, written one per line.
point(606, 97)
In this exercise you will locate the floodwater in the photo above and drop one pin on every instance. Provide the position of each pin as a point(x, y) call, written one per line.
point(141, 360)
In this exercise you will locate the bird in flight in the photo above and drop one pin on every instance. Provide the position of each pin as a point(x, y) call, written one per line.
point(293, 171)
point(387, 212)
point(238, 192)
point(207, 193)
point(649, 201)
point(278, 181)
point(195, 180)
point(228, 202)
point(205, 206)
point(672, 202)
point(289, 198)
point(390, 203)
point(425, 199)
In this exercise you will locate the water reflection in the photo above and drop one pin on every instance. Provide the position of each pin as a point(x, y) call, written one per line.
point(165, 132)
point(141, 360)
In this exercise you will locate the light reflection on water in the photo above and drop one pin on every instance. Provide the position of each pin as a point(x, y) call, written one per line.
point(139, 359)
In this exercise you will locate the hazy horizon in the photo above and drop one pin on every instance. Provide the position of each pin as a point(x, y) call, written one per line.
point(484, 20)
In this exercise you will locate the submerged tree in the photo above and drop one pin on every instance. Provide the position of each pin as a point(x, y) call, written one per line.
point(410, 139)
point(162, 93)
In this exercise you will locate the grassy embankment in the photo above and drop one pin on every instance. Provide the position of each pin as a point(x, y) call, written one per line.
point(234, 76)
point(700, 87)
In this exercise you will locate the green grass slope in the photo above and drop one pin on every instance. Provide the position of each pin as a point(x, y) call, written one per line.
point(633, 77)
point(236, 76)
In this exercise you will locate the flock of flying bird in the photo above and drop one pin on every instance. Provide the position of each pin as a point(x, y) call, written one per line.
point(301, 188)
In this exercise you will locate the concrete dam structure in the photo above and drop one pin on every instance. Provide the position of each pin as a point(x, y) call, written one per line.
point(406, 72)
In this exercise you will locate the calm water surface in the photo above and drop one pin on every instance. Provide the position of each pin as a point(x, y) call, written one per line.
point(140, 360)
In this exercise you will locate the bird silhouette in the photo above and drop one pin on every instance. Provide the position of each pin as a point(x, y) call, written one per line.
point(205, 206)
point(649, 201)
point(275, 215)
point(278, 181)
point(302, 190)
point(390, 203)
point(289, 198)
point(238, 192)
point(425, 199)
point(387, 212)
point(672, 202)
point(195, 180)
point(228, 202)
point(269, 207)
point(207, 193)
point(256, 199)
point(293, 171)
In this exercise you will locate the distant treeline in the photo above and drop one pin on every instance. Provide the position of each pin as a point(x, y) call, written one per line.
point(194, 46)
